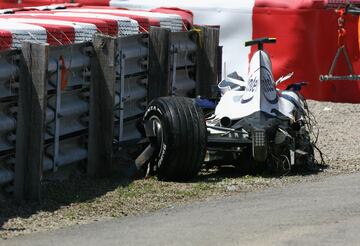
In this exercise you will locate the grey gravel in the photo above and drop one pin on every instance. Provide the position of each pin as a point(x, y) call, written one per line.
point(339, 134)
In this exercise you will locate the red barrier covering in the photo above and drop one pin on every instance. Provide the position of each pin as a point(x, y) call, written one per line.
point(186, 15)
point(307, 43)
point(105, 26)
point(138, 18)
point(5, 40)
point(57, 34)
point(307, 33)
point(144, 22)
point(4, 4)
point(93, 2)
point(291, 4)
point(101, 25)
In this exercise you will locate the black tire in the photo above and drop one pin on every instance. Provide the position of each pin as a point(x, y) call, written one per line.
point(181, 137)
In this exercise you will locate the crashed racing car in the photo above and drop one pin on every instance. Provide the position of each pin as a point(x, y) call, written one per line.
point(254, 125)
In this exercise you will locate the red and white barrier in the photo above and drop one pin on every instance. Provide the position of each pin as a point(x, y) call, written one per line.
point(83, 31)
point(186, 15)
point(143, 22)
point(234, 17)
point(4, 4)
point(171, 21)
point(125, 25)
point(21, 32)
point(5, 40)
point(306, 32)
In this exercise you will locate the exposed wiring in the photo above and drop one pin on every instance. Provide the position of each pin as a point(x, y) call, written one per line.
point(310, 124)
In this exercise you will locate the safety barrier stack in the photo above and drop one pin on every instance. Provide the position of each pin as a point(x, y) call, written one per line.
point(75, 83)
point(9, 85)
point(78, 103)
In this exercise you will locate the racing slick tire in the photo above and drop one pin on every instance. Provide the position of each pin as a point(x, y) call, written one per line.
point(180, 137)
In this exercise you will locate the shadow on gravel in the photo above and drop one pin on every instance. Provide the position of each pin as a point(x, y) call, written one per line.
point(76, 187)
point(218, 174)
point(58, 193)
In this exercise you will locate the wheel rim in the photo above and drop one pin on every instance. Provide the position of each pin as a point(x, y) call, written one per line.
point(158, 139)
point(284, 165)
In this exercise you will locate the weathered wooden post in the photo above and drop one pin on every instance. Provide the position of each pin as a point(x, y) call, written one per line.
point(207, 62)
point(102, 103)
point(159, 63)
point(31, 121)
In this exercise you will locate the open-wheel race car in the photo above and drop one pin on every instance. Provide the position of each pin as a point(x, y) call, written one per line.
point(253, 125)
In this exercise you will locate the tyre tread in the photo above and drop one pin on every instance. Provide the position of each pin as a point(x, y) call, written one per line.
point(185, 138)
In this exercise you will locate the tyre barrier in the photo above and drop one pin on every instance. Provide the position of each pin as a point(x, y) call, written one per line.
point(68, 117)
point(48, 94)
point(55, 69)
point(131, 83)
point(183, 50)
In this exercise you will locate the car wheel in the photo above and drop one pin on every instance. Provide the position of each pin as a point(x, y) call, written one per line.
point(176, 126)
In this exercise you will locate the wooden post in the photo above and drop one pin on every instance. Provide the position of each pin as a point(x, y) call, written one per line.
point(207, 62)
point(31, 121)
point(159, 63)
point(219, 63)
point(102, 102)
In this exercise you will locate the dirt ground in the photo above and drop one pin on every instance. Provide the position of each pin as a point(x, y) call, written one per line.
point(80, 200)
